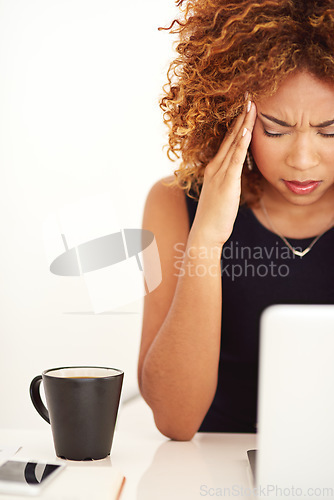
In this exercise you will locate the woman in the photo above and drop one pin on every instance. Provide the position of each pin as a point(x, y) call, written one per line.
point(248, 220)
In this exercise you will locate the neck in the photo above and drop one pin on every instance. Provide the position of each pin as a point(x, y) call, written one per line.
point(297, 220)
point(302, 211)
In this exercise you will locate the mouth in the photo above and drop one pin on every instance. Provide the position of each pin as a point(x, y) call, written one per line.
point(302, 187)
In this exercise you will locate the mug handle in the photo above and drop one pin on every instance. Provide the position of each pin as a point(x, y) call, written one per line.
point(36, 398)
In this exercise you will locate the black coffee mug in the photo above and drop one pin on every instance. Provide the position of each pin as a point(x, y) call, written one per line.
point(82, 409)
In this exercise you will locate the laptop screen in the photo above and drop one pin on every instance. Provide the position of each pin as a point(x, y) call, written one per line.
point(296, 401)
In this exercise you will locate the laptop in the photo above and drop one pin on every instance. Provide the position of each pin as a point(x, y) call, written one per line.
point(295, 456)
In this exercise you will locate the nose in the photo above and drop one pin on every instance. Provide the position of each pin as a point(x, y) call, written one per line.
point(303, 154)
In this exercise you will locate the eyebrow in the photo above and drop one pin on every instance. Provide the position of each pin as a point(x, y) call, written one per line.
point(285, 124)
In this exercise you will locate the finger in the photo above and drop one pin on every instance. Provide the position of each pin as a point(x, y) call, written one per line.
point(250, 117)
point(225, 152)
point(248, 124)
point(237, 159)
point(229, 139)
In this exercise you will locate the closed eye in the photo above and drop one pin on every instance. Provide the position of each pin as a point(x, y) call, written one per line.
point(271, 134)
point(325, 135)
point(277, 134)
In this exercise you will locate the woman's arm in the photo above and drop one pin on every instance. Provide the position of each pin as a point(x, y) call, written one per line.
point(180, 347)
point(179, 355)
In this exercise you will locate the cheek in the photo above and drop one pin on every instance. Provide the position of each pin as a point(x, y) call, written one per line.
point(327, 153)
point(258, 147)
point(264, 150)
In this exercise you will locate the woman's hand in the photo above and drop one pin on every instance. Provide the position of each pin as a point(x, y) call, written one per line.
point(220, 196)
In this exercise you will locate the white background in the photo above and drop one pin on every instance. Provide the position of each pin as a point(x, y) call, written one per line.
point(80, 82)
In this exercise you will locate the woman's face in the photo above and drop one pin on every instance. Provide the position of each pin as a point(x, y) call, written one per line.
point(293, 140)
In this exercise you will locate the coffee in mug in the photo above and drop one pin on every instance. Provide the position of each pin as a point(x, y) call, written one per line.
point(82, 406)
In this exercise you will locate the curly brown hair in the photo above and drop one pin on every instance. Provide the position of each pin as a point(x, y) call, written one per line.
point(228, 47)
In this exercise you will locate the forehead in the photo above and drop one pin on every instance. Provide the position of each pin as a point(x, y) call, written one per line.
point(301, 94)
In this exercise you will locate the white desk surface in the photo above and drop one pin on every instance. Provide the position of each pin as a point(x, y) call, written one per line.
point(211, 465)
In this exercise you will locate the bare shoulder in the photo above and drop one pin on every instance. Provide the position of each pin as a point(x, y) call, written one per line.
point(165, 206)
point(166, 216)
point(162, 193)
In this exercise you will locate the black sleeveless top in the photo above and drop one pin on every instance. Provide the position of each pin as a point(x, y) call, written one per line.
point(258, 270)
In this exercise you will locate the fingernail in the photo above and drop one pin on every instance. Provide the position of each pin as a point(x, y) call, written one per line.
point(246, 96)
point(249, 104)
point(244, 132)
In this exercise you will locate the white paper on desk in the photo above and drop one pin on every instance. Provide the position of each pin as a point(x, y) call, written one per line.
point(7, 452)
point(87, 482)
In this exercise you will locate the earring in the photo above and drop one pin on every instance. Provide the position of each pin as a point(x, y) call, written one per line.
point(249, 161)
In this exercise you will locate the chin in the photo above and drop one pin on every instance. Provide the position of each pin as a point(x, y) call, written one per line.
point(302, 200)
